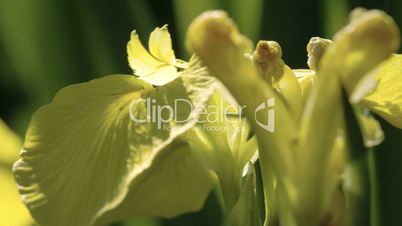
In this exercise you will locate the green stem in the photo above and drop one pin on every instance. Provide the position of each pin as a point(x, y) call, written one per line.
point(374, 198)
point(357, 193)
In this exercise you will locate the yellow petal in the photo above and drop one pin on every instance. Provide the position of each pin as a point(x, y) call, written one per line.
point(371, 130)
point(290, 90)
point(139, 58)
point(12, 210)
point(176, 183)
point(163, 75)
point(306, 80)
point(85, 154)
point(369, 38)
point(10, 144)
point(386, 99)
point(148, 68)
point(160, 45)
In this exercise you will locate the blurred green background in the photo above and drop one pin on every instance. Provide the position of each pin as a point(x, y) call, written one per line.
point(48, 44)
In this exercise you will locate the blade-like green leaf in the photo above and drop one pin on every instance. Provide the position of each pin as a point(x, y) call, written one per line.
point(248, 15)
point(335, 15)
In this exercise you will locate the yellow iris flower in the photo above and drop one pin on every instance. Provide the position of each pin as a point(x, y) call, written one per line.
point(88, 160)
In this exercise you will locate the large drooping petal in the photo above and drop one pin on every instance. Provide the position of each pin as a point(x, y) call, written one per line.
point(153, 70)
point(12, 210)
point(176, 183)
point(97, 152)
point(160, 45)
point(386, 99)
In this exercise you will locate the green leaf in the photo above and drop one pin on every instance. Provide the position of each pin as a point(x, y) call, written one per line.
point(84, 156)
point(335, 15)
